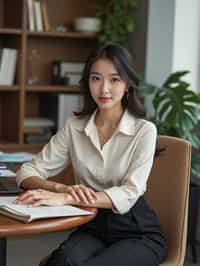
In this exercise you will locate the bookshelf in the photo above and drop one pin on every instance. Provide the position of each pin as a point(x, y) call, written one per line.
point(22, 100)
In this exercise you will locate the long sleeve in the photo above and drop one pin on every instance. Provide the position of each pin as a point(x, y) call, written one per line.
point(53, 158)
point(134, 182)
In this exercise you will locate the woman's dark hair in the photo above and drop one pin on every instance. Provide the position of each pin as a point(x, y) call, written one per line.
point(122, 60)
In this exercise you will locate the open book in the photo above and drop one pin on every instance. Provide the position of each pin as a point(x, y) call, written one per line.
point(27, 214)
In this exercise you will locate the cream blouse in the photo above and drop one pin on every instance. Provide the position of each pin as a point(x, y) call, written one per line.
point(120, 169)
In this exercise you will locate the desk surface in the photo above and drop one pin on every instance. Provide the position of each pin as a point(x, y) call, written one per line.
point(11, 227)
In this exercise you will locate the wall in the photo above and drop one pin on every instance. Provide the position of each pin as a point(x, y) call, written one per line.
point(186, 52)
point(173, 41)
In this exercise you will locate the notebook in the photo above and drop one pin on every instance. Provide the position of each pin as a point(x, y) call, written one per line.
point(28, 214)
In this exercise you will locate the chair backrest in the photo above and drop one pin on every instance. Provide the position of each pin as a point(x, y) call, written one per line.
point(168, 191)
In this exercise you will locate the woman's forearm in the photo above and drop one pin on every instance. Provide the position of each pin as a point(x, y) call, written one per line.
point(34, 182)
point(102, 201)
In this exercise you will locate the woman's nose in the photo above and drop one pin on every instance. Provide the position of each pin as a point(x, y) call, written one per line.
point(105, 87)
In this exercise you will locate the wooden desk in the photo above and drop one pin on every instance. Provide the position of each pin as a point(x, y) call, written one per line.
point(11, 227)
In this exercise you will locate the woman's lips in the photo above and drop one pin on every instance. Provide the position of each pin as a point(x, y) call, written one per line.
point(104, 99)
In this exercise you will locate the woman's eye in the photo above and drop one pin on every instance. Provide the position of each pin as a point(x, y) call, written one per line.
point(94, 78)
point(114, 80)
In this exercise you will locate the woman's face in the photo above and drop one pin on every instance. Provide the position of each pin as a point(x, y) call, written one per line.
point(106, 86)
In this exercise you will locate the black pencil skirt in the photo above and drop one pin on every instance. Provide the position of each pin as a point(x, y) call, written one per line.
point(131, 239)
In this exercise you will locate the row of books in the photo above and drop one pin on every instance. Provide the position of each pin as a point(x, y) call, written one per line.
point(38, 19)
point(38, 130)
point(8, 62)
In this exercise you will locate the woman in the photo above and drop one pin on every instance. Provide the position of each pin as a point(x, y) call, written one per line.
point(111, 148)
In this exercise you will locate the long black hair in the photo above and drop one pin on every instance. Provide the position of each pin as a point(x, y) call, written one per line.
point(122, 61)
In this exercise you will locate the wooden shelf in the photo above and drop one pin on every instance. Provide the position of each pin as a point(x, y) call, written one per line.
point(5, 143)
point(52, 88)
point(14, 147)
point(6, 88)
point(21, 99)
point(69, 34)
point(10, 31)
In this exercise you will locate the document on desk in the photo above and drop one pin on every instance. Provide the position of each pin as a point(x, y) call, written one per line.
point(6, 172)
point(28, 214)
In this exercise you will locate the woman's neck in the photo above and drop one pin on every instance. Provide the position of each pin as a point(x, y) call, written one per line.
point(109, 118)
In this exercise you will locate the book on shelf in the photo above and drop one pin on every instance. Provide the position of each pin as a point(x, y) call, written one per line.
point(38, 138)
point(38, 130)
point(27, 214)
point(31, 21)
point(8, 66)
point(38, 122)
point(38, 16)
point(45, 16)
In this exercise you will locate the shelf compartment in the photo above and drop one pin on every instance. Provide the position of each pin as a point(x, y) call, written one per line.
point(9, 116)
point(53, 88)
point(69, 34)
point(11, 14)
point(13, 41)
point(49, 51)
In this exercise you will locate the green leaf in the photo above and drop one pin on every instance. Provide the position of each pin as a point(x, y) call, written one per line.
point(174, 78)
point(195, 169)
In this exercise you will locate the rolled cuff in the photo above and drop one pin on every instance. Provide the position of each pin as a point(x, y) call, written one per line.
point(120, 200)
point(26, 172)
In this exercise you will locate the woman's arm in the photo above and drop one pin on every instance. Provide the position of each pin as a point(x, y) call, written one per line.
point(53, 158)
point(84, 197)
point(34, 182)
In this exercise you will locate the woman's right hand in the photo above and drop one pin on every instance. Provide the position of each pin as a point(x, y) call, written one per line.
point(81, 193)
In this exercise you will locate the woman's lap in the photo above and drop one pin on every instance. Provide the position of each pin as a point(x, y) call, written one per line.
point(78, 248)
point(112, 239)
point(84, 249)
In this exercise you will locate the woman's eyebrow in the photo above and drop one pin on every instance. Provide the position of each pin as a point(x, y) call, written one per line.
point(96, 73)
point(114, 74)
point(110, 74)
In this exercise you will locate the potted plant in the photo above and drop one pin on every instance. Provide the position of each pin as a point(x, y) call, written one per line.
point(117, 20)
point(177, 112)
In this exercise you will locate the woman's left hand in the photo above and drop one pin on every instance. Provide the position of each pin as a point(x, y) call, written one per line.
point(37, 197)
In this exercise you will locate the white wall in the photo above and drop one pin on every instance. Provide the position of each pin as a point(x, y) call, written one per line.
point(159, 40)
point(186, 52)
point(173, 41)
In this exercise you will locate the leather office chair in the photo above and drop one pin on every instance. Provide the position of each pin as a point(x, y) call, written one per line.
point(168, 193)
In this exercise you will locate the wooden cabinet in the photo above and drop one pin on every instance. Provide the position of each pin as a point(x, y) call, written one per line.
point(21, 99)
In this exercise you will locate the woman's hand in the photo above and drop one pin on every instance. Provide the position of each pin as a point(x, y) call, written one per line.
point(37, 197)
point(82, 194)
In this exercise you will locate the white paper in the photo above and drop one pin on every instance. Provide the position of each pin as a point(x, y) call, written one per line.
point(43, 211)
